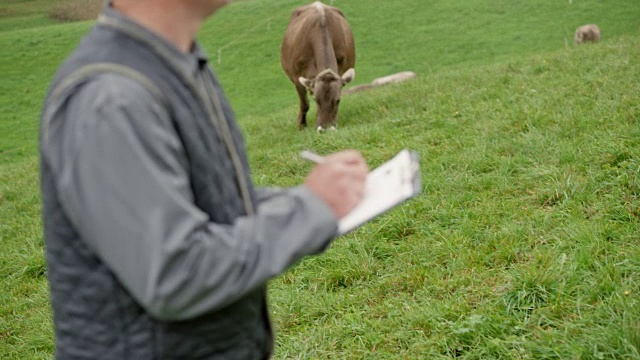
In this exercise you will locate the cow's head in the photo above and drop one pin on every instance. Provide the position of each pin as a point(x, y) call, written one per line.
point(326, 89)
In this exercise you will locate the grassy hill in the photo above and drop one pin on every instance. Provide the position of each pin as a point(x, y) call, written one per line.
point(525, 243)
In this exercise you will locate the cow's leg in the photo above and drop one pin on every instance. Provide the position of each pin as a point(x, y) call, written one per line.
point(304, 105)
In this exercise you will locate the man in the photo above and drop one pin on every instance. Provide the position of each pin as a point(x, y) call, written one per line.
point(158, 246)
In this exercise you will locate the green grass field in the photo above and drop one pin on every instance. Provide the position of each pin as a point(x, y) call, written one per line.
point(525, 243)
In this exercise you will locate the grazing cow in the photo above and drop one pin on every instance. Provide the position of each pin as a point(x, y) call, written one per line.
point(318, 54)
point(586, 33)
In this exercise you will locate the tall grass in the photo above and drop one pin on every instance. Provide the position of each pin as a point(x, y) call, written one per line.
point(21, 14)
point(525, 243)
point(75, 10)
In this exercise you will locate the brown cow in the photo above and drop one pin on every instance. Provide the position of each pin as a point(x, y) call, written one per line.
point(318, 54)
point(585, 33)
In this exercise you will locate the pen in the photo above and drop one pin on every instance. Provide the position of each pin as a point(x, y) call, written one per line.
point(311, 156)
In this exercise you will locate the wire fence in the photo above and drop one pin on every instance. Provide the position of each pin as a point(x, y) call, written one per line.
point(266, 22)
point(243, 35)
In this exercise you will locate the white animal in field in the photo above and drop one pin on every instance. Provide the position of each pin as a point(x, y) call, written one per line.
point(394, 78)
point(584, 33)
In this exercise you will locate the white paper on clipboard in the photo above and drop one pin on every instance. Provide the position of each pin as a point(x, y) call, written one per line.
point(387, 186)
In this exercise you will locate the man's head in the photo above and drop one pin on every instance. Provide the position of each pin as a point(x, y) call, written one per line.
point(203, 8)
point(178, 21)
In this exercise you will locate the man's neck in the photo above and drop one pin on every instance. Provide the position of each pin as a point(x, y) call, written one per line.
point(172, 20)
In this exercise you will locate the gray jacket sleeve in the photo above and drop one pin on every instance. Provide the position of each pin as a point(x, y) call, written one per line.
point(123, 182)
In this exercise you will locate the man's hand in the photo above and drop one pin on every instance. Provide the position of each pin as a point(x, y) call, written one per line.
point(339, 180)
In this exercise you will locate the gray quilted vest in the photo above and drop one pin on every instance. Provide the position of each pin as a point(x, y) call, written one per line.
point(219, 174)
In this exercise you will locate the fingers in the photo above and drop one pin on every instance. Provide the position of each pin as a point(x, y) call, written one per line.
point(340, 181)
point(347, 156)
point(352, 159)
point(349, 163)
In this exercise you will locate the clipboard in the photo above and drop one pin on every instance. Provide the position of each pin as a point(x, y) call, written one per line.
point(386, 187)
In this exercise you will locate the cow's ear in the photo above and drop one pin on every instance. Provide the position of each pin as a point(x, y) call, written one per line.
point(348, 76)
point(306, 82)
